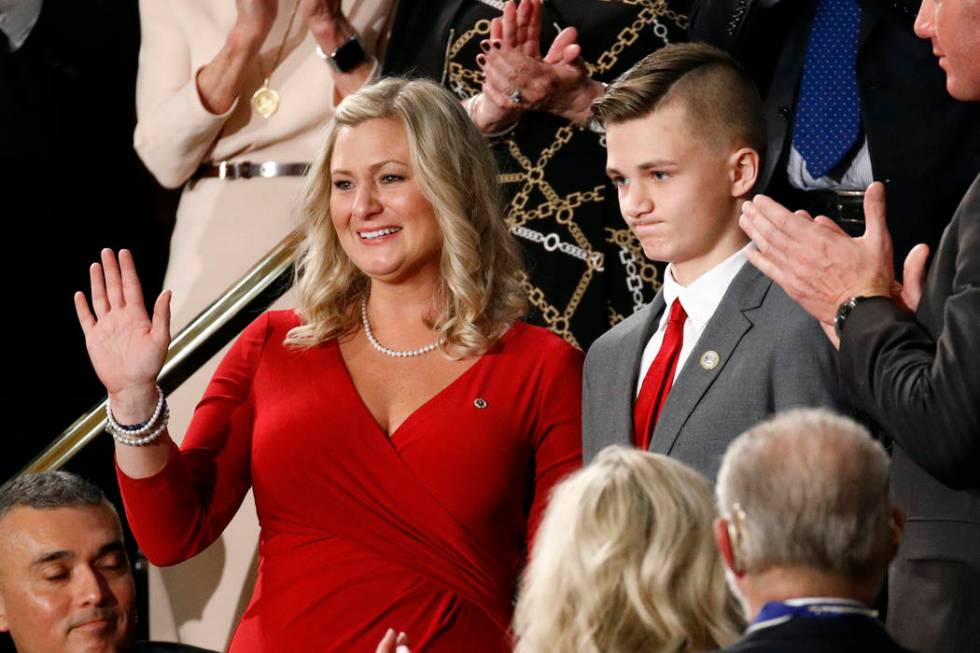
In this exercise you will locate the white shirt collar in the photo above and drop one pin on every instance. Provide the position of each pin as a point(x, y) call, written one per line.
point(701, 298)
point(812, 600)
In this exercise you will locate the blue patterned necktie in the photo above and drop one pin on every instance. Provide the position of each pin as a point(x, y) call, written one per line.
point(828, 114)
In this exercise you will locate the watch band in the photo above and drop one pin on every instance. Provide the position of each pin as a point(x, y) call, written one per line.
point(346, 57)
point(844, 310)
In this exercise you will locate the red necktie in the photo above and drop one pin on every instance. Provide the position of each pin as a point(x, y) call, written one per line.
point(659, 378)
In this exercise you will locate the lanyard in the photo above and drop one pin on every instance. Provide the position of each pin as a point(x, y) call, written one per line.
point(778, 612)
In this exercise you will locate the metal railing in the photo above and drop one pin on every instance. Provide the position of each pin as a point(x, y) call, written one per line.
point(196, 343)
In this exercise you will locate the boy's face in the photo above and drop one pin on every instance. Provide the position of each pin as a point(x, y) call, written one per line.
point(675, 191)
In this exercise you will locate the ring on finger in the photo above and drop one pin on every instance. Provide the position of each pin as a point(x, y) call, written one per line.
point(516, 96)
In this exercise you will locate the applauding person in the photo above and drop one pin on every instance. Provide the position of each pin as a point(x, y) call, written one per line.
point(527, 74)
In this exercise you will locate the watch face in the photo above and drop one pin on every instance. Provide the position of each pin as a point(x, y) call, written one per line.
point(348, 56)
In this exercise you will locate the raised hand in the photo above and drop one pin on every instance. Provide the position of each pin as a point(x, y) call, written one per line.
point(814, 261)
point(126, 347)
point(326, 16)
point(518, 78)
point(331, 29)
point(220, 81)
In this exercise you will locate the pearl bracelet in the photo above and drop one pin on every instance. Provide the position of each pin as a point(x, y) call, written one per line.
point(138, 435)
point(122, 438)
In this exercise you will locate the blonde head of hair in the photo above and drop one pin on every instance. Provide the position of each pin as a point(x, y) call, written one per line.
point(624, 561)
point(480, 295)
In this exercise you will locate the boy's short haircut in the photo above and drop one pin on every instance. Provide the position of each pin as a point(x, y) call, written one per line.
point(721, 100)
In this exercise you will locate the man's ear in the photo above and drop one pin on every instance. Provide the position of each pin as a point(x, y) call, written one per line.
point(724, 530)
point(897, 524)
point(744, 165)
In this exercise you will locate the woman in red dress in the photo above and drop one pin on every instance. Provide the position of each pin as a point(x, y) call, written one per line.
point(401, 430)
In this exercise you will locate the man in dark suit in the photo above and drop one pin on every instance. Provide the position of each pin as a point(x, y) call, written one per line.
point(806, 529)
point(906, 131)
point(910, 358)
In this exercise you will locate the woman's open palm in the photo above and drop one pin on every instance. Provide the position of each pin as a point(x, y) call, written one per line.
point(126, 347)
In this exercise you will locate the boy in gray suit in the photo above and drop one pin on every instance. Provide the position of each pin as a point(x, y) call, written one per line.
point(720, 347)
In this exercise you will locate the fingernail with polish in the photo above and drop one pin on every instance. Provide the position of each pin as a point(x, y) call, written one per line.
point(485, 46)
point(496, 44)
point(481, 60)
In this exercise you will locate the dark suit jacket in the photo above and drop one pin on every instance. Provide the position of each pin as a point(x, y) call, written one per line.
point(772, 355)
point(920, 378)
point(923, 144)
point(840, 635)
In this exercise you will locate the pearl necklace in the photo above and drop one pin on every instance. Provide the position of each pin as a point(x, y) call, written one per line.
point(384, 350)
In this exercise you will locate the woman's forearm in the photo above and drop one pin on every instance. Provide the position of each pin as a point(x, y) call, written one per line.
point(220, 81)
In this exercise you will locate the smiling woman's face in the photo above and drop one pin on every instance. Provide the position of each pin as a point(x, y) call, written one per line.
point(65, 581)
point(383, 221)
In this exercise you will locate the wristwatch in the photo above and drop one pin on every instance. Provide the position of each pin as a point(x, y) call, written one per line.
point(346, 57)
point(843, 311)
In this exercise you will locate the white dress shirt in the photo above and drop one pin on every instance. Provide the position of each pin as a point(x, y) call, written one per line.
point(699, 300)
point(858, 175)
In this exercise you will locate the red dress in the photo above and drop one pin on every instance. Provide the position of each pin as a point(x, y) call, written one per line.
point(423, 532)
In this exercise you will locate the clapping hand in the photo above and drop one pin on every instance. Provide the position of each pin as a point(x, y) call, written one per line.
point(127, 348)
point(518, 78)
point(820, 266)
point(326, 20)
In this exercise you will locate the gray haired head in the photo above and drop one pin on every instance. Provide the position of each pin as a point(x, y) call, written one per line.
point(45, 490)
point(808, 488)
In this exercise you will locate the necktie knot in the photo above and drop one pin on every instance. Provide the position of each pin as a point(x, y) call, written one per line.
point(677, 313)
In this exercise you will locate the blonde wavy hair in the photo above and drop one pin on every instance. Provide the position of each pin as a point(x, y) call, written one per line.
point(480, 294)
point(624, 561)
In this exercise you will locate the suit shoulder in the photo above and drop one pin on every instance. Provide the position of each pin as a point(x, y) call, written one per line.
point(790, 315)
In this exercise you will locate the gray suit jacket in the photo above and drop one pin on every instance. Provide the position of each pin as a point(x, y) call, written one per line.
point(773, 356)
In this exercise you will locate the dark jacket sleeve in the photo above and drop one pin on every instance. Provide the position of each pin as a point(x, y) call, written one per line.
point(925, 390)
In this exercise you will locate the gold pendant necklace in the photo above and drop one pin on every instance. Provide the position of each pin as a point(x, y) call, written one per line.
point(265, 101)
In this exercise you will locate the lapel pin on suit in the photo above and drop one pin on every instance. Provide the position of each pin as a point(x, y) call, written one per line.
point(710, 359)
